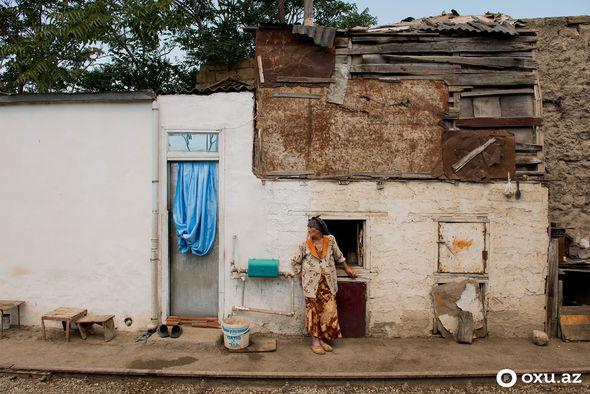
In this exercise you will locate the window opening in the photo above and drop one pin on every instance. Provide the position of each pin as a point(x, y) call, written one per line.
point(349, 235)
point(192, 142)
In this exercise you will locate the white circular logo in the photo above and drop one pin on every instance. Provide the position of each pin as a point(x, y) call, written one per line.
point(502, 373)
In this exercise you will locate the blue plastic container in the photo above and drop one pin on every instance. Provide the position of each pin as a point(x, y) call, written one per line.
point(263, 268)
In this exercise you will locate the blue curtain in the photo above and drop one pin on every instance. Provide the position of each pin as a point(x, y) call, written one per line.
point(195, 207)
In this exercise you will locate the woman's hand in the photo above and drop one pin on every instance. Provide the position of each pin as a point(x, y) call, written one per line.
point(350, 271)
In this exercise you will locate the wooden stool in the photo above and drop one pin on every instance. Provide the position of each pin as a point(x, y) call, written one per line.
point(6, 305)
point(63, 314)
point(86, 322)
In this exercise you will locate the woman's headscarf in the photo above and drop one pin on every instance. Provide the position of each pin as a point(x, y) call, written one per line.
point(318, 224)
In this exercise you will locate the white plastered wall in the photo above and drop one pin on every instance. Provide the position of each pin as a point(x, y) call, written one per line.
point(75, 205)
point(269, 220)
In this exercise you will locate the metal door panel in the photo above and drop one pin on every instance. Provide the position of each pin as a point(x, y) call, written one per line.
point(194, 280)
point(351, 300)
point(461, 247)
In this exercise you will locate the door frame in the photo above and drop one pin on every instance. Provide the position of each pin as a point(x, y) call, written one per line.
point(166, 157)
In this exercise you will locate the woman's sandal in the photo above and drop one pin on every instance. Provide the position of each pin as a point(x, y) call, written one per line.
point(326, 347)
point(318, 349)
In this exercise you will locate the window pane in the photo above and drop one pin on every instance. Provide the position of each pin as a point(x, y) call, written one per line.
point(193, 142)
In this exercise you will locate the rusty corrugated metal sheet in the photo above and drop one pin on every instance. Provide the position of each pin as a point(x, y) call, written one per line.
point(321, 35)
point(493, 163)
point(381, 128)
point(288, 55)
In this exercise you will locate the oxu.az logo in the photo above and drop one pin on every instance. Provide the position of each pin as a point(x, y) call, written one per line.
point(508, 378)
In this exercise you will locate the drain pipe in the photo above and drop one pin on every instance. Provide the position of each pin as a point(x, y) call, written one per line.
point(155, 255)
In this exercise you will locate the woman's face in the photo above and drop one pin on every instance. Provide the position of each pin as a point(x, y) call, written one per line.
point(314, 232)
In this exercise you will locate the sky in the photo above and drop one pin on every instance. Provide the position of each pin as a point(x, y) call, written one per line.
point(389, 11)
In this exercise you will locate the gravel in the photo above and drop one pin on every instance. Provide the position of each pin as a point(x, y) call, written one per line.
point(47, 383)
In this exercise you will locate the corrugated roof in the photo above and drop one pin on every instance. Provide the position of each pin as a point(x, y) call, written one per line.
point(454, 23)
point(322, 36)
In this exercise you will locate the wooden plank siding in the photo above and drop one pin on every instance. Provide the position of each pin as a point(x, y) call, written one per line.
point(495, 80)
point(491, 79)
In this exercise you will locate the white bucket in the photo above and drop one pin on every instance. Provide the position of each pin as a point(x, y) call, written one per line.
point(6, 321)
point(236, 332)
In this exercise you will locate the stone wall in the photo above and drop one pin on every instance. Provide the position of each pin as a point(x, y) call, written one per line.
point(564, 72)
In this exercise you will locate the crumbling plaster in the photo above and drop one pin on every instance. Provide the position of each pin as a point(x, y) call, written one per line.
point(269, 220)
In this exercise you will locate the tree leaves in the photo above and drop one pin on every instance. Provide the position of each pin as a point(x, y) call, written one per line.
point(105, 45)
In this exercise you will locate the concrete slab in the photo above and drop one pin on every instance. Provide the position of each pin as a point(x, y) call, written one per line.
point(192, 337)
point(354, 358)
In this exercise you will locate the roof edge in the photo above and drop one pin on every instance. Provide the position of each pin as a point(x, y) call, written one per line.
point(53, 98)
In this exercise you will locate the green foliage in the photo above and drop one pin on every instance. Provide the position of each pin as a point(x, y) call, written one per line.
point(105, 45)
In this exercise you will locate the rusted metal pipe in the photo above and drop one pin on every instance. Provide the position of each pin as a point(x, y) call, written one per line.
point(308, 13)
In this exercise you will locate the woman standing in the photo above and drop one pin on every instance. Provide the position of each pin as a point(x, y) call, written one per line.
point(315, 265)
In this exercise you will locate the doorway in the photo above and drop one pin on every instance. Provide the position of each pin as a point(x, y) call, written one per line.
point(194, 280)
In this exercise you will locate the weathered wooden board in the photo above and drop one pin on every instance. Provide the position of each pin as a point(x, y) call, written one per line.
point(466, 109)
point(487, 107)
point(500, 122)
point(449, 45)
point(496, 92)
point(406, 68)
point(490, 78)
point(575, 323)
point(377, 129)
point(484, 61)
point(520, 105)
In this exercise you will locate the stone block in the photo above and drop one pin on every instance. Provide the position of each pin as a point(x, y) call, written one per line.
point(540, 338)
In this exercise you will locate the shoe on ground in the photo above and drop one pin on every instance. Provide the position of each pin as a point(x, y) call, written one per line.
point(176, 331)
point(163, 331)
point(326, 347)
point(318, 350)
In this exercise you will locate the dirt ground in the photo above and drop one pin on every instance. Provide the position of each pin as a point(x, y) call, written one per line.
point(198, 362)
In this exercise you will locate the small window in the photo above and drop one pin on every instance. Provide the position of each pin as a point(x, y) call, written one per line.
point(193, 144)
point(350, 236)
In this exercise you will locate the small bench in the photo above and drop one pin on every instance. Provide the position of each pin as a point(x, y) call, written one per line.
point(85, 325)
point(64, 315)
point(6, 305)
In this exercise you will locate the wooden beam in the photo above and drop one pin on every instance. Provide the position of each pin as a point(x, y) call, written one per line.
point(528, 148)
point(499, 122)
point(523, 160)
point(491, 78)
point(304, 80)
point(461, 163)
point(484, 61)
point(406, 68)
point(448, 46)
point(297, 95)
point(497, 92)
point(260, 70)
